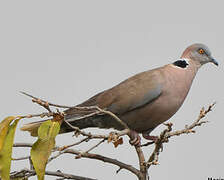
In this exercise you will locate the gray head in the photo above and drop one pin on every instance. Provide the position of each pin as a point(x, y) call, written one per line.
point(199, 53)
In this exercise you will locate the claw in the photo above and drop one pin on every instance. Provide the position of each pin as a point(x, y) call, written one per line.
point(135, 139)
point(148, 137)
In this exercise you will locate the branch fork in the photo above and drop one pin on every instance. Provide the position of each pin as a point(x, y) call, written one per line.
point(114, 137)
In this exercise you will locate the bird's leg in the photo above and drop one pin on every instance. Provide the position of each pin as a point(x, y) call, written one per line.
point(135, 139)
point(148, 137)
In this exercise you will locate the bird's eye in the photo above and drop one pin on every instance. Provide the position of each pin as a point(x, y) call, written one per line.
point(201, 51)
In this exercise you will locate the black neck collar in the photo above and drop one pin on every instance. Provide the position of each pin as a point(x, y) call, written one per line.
point(182, 63)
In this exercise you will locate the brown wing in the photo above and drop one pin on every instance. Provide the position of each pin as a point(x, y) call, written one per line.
point(130, 94)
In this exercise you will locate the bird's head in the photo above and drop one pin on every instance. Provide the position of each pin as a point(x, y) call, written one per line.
point(199, 53)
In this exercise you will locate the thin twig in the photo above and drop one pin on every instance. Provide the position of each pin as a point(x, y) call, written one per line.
point(153, 159)
point(90, 149)
point(147, 144)
point(61, 149)
point(96, 136)
point(29, 173)
point(22, 145)
point(46, 104)
point(198, 122)
point(42, 115)
point(104, 159)
point(88, 115)
point(143, 164)
point(90, 156)
point(21, 158)
point(86, 139)
point(60, 106)
point(167, 133)
point(41, 102)
point(114, 116)
point(95, 146)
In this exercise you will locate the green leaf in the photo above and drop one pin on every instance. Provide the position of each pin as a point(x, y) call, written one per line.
point(7, 133)
point(41, 149)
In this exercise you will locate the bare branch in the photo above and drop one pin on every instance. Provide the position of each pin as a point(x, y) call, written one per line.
point(198, 122)
point(42, 103)
point(153, 159)
point(166, 134)
point(141, 158)
point(22, 145)
point(46, 105)
point(114, 116)
point(28, 173)
point(114, 137)
point(147, 144)
point(21, 158)
point(50, 104)
point(42, 115)
point(96, 136)
point(86, 139)
point(104, 159)
point(88, 155)
point(100, 142)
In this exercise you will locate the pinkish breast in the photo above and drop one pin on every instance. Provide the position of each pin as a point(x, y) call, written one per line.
point(177, 83)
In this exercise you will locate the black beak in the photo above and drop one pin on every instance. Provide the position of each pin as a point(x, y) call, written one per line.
point(214, 61)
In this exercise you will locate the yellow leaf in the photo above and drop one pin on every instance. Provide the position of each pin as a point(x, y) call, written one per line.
point(4, 125)
point(7, 133)
point(41, 149)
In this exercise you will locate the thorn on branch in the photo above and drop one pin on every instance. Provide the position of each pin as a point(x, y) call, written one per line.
point(119, 170)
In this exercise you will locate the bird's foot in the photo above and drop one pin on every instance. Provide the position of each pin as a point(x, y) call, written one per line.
point(148, 137)
point(152, 138)
point(135, 139)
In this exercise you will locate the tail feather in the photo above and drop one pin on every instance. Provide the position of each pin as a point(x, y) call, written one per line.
point(32, 127)
point(99, 121)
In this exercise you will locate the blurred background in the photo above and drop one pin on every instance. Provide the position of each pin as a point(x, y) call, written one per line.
point(67, 51)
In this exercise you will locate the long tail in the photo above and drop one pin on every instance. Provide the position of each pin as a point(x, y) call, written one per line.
point(100, 121)
point(32, 127)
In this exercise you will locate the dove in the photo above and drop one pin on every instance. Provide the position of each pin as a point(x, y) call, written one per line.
point(143, 101)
